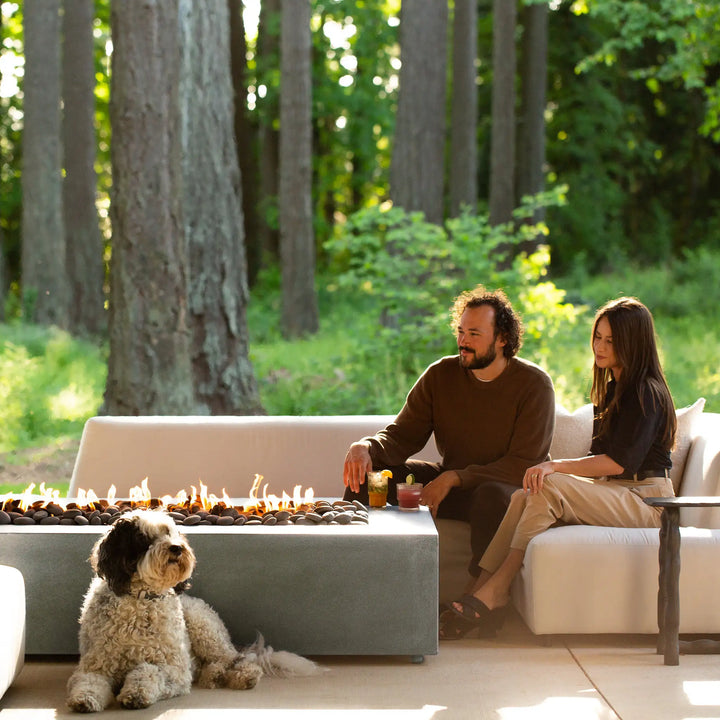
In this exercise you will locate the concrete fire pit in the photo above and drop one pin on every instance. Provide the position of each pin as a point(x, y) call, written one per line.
point(316, 590)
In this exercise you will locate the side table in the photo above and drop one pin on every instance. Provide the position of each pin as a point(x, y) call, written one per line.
point(669, 578)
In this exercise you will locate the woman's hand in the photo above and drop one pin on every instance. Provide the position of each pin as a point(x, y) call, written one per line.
point(436, 491)
point(535, 476)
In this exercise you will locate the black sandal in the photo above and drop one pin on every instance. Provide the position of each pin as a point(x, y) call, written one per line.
point(453, 627)
point(477, 614)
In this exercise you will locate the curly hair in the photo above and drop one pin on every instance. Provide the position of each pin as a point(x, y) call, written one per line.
point(507, 321)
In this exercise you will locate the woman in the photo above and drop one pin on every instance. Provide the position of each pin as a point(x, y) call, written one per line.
point(629, 459)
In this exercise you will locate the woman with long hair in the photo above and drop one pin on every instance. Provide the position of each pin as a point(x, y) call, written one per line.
point(633, 433)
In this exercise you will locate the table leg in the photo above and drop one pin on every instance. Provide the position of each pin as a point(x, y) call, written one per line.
point(669, 586)
point(662, 590)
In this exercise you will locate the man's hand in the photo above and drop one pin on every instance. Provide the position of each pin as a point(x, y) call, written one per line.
point(436, 491)
point(357, 463)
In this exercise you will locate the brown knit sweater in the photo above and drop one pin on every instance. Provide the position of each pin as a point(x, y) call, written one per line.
point(483, 430)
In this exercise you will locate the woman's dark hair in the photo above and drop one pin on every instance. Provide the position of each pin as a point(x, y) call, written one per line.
point(507, 322)
point(635, 348)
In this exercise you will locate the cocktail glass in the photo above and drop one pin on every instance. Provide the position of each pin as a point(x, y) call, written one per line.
point(408, 495)
point(378, 487)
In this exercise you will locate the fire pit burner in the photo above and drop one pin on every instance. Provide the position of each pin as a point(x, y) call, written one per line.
point(321, 512)
point(195, 509)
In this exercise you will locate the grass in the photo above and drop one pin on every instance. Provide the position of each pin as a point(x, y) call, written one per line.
point(50, 382)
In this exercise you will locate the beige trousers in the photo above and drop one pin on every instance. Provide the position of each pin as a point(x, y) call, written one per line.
point(574, 501)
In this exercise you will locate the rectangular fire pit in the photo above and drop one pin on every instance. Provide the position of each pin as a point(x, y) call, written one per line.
point(315, 590)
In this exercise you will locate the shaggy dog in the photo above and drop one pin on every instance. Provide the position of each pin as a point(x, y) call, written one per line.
point(142, 640)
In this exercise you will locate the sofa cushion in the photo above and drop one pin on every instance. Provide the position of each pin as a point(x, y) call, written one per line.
point(573, 432)
point(686, 422)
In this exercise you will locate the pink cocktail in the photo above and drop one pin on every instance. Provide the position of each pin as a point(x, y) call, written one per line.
point(408, 495)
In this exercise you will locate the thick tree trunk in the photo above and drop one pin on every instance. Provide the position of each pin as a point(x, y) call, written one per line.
point(149, 370)
point(246, 141)
point(502, 151)
point(533, 70)
point(223, 377)
point(44, 280)
point(416, 170)
point(463, 138)
point(297, 241)
point(84, 243)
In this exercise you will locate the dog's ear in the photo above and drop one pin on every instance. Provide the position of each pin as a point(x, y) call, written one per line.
point(116, 555)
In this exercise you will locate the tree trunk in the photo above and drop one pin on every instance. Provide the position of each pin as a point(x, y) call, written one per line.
point(3, 275)
point(417, 166)
point(297, 241)
point(533, 69)
point(3, 263)
point(502, 151)
point(44, 280)
point(149, 370)
point(268, 55)
point(82, 233)
point(463, 139)
point(246, 141)
point(223, 377)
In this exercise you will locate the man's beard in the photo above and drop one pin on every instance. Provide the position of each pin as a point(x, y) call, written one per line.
point(479, 362)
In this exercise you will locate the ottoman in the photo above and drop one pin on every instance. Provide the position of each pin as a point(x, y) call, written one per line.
point(12, 611)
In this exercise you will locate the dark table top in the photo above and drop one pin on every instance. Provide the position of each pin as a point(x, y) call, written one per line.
point(669, 502)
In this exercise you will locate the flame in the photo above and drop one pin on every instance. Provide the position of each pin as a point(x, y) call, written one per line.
point(140, 496)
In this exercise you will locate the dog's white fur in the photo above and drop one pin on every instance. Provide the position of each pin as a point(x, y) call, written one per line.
point(141, 641)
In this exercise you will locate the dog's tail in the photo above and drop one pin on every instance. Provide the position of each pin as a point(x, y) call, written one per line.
point(279, 663)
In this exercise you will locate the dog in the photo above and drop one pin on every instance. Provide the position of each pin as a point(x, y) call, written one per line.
point(142, 639)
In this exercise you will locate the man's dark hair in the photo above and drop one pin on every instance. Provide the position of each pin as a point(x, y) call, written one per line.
point(507, 321)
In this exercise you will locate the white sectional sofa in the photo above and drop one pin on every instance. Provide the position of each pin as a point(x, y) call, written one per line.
point(12, 612)
point(575, 579)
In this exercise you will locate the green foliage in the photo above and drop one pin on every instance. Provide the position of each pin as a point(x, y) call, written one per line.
point(685, 34)
point(628, 149)
point(50, 384)
point(355, 365)
point(414, 269)
point(686, 322)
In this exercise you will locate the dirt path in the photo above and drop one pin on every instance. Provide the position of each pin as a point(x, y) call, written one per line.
point(52, 465)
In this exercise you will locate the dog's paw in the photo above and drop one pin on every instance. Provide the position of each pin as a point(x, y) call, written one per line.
point(212, 676)
point(85, 703)
point(243, 675)
point(135, 698)
point(88, 692)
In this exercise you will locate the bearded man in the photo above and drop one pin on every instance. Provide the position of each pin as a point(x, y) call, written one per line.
point(492, 414)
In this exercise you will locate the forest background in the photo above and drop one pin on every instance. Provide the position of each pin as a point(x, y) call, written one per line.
point(347, 262)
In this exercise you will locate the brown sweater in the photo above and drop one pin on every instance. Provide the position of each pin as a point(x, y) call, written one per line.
point(483, 430)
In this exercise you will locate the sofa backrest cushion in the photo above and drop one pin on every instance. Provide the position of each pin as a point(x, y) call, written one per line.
point(175, 453)
point(573, 432)
point(687, 423)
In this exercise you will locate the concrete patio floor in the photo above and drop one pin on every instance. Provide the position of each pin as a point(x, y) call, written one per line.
point(513, 677)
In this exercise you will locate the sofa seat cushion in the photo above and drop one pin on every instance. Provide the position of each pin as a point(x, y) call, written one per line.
point(12, 612)
point(584, 579)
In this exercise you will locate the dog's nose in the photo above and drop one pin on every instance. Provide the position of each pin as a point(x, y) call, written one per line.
point(175, 550)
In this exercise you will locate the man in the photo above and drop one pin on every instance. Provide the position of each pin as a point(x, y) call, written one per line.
point(492, 414)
